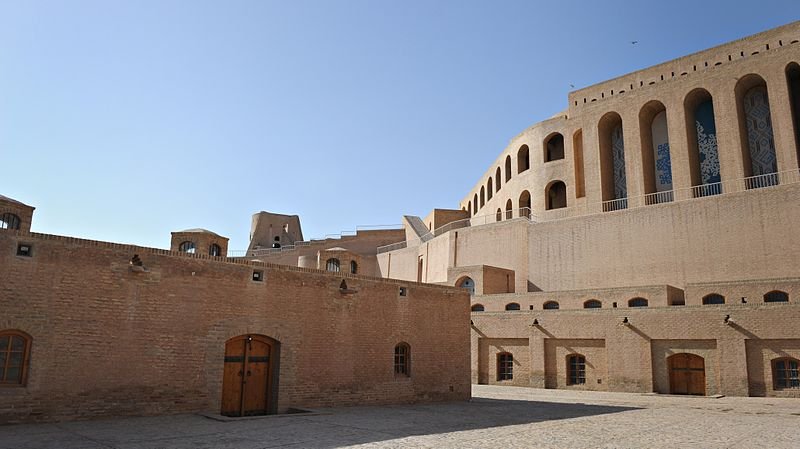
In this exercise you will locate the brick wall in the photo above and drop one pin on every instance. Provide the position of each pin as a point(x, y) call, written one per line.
point(632, 358)
point(107, 340)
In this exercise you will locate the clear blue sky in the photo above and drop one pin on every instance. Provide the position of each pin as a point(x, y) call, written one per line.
point(124, 121)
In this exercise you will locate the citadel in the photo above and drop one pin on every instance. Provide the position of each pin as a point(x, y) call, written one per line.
point(643, 240)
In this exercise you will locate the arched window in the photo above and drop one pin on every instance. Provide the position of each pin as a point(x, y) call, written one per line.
point(497, 180)
point(755, 130)
point(656, 158)
point(499, 215)
point(489, 189)
point(477, 308)
point(637, 302)
point(576, 369)
point(556, 195)
point(469, 208)
point(592, 304)
point(713, 298)
point(467, 283)
point(214, 250)
point(612, 160)
point(483, 195)
point(701, 133)
point(785, 373)
point(554, 147)
point(525, 204)
point(187, 247)
point(15, 349)
point(776, 296)
point(577, 152)
point(523, 159)
point(550, 305)
point(509, 210)
point(475, 202)
point(793, 84)
point(353, 267)
point(505, 366)
point(512, 306)
point(508, 168)
point(332, 264)
point(402, 360)
point(9, 221)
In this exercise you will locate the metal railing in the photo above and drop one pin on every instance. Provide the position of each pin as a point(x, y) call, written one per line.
point(612, 205)
point(666, 196)
point(761, 181)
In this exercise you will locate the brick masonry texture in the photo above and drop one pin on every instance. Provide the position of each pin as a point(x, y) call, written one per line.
point(107, 340)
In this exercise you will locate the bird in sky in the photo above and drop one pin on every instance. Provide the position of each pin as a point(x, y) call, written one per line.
point(634, 42)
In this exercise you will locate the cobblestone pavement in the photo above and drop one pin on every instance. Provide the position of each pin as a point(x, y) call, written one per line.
point(497, 417)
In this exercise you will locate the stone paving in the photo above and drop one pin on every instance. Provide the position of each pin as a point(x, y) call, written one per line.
point(497, 417)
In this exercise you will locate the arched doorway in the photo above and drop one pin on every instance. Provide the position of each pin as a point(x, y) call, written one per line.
point(687, 374)
point(250, 376)
point(467, 283)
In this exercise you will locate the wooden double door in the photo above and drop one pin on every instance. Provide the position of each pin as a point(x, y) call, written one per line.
point(249, 382)
point(687, 374)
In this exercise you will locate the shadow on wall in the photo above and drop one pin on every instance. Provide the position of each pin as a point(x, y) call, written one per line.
point(533, 287)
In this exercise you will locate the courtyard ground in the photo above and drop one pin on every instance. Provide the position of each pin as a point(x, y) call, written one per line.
point(497, 417)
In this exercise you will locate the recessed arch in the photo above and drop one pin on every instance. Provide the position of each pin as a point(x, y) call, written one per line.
point(467, 283)
point(483, 197)
point(497, 180)
point(553, 147)
point(577, 153)
point(508, 168)
point(523, 159)
point(469, 208)
point(509, 209)
point(612, 157)
point(776, 296)
point(256, 393)
point(332, 264)
point(402, 359)
point(15, 349)
point(713, 298)
point(499, 214)
point(477, 308)
point(637, 302)
point(793, 85)
point(475, 202)
point(214, 250)
point(701, 136)
point(755, 131)
point(489, 189)
point(555, 194)
point(525, 204)
point(687, 374)
point(550, 305)
point(592, 304)
point(656, 157)
point(9, 221)
point(512, 306)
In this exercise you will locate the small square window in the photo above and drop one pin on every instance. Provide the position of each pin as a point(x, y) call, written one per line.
point(403, 291)
point(258, 275)
point(24, 249)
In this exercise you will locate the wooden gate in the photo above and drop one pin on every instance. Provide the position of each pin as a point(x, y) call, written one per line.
point(249, 379)
point(687, 374)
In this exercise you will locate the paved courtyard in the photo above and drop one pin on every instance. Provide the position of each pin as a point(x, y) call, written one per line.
point(497, 417)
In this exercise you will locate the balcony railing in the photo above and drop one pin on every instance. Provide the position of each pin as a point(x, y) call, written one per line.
point(761, 181)
point(659, 197)
point(612, 205)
